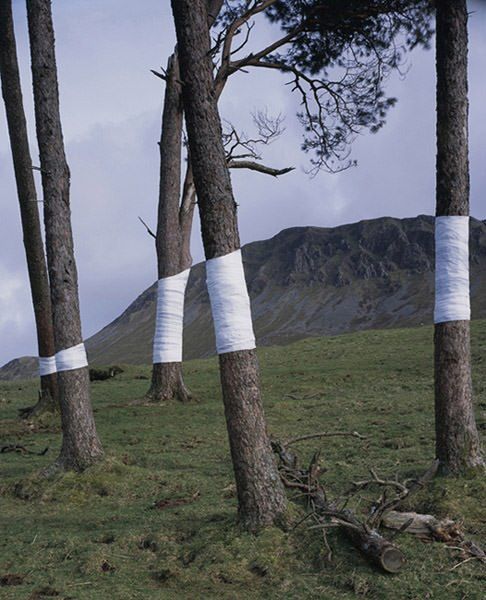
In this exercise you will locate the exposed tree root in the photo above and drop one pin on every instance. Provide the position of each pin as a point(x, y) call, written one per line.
point(167, 385)
point(45, 404)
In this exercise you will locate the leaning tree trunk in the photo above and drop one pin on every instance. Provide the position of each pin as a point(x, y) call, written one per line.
point(261, 496)
point(34, 247)
point(167, 383)
point(80, 445)
point(457, 441)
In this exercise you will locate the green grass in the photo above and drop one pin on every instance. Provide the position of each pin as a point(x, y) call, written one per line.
point(97, 535)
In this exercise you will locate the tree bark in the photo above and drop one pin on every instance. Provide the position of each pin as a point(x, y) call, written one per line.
point(186, 215)
point(168, 241)
point(167, 383)
point(80, 445)
point(457, 440)
point(175, 215)
point(261, 497)
point(31, 228)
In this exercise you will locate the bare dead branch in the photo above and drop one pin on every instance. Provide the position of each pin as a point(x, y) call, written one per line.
point(269, 128)
point(162, 76)
point(324, 434)
point(254, 166)
point(149, 231)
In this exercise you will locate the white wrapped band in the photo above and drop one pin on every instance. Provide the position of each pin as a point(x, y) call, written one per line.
point(65, 360)
point(71, 358)
point(47, 365)
point(452, 269)
point(230, 303)
point(169, 318)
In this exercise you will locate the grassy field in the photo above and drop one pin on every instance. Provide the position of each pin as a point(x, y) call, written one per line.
point(157, 518)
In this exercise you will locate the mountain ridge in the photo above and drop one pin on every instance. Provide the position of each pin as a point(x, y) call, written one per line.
point(305, 281)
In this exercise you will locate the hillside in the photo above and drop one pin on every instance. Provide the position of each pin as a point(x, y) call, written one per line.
point(307, 281)
point(156, 521)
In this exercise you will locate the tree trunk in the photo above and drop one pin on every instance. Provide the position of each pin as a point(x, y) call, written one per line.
point(175, 215)
point(167, 383)
point(34, 247)
point(80, 445)
point(261, 496)
point(457, 441)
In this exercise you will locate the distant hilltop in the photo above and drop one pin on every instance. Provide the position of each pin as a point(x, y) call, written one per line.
point(305, 281)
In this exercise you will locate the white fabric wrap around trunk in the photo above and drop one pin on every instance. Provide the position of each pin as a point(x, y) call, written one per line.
point(169, 318)
point(230, 303)
point(47, 365)
point(452, 269)
point(71, 358)
point(64, 360)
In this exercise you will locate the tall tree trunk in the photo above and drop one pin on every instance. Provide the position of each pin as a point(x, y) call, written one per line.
point(175, 215)
point(80, 445)
point(167, 383)
point(457, 441)
point(261, 497)
point(34, 247)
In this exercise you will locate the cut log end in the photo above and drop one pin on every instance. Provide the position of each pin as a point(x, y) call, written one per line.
point(377, 549)
point(391, 559)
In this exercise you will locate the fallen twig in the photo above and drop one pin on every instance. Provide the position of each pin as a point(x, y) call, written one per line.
point(305, 396)
point(312, 436)
point(21, 450)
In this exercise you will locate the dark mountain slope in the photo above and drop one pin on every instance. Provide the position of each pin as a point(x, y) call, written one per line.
point(311, 281)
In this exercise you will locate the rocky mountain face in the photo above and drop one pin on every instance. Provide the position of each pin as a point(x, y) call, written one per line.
point(310, 281)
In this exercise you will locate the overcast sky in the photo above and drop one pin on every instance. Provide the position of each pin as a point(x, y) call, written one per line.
point(111, 109)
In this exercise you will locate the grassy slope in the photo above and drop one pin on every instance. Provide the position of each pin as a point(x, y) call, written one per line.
point(96, 535)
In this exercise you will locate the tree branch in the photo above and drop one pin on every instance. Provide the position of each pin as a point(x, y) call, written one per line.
point(325, 434)
point(254, 166)
point(162, 76)
point(149, 231)
point(214, 8)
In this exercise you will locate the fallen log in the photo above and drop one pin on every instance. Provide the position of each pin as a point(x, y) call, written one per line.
point(429, 528)
point(364, 534)
point(376, 548)
point(423, 526)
